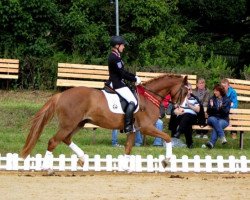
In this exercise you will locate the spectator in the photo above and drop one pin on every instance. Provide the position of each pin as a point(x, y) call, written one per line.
point(203, 94)
point(182, 119)
point(115, 139)
point(232, 95)
point(157, 141)
point(218, 115)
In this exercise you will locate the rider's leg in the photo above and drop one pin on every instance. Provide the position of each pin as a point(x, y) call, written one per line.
point(127, 94)
point(129, 117)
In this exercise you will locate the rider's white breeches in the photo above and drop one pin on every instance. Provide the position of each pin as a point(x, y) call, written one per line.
point(126, 93)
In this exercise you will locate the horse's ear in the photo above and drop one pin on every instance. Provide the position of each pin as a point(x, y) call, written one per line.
point(185, 80)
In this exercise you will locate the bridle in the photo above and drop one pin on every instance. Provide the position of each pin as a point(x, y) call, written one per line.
point(158, 102)
point(180, 92)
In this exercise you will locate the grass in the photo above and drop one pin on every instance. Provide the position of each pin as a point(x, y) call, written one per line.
point(17, 107)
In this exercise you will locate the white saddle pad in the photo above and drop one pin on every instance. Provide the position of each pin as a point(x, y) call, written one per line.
point(114, 103)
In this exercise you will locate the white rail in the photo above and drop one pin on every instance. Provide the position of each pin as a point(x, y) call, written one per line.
point(133, 164)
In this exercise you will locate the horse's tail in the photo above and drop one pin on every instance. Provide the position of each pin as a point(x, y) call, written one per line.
point(38, 122)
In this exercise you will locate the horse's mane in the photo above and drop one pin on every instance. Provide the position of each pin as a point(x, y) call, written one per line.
point(161, 76)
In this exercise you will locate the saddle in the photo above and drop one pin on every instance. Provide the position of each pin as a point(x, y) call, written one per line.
point(111, 95)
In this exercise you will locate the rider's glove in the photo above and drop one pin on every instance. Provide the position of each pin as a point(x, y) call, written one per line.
point(138, 80)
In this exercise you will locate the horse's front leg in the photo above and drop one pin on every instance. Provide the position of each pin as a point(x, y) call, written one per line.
point(152, 131)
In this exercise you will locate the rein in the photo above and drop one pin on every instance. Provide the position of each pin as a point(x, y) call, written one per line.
point(141, 90)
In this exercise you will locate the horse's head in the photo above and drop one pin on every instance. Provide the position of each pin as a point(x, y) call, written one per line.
point(179, 91)
point(175, 85)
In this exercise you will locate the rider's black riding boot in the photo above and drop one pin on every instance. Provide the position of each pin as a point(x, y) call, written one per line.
point(128, 123)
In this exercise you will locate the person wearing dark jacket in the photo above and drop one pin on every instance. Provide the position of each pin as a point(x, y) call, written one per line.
point(218, 115)
point(117, 75)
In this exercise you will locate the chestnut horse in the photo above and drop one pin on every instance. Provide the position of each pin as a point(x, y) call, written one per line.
point(80, 105)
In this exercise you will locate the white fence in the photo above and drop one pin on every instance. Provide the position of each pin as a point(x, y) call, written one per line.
point(133, 164)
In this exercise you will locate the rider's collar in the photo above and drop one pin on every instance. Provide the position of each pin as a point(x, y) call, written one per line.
point(116, 53)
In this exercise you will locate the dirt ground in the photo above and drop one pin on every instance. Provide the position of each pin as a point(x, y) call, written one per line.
point(109, 186)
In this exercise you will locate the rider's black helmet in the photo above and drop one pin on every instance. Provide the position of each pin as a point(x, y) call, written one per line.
point(117, 40)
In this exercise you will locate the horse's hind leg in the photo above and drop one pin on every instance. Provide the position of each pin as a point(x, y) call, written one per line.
point(129, 143)
point(53, 142)
point(79, 152)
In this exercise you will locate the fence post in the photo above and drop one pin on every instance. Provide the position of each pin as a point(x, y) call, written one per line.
point(109, 163)
point(15, 161)
point(26, 163)
point(185, 167)
point(73, 159)
point(150, 163)
point(243, 164)
point(86, 163)
point(232, 163)
point(138, 163)
point(132, 164)
point(197, 163)
point(173, 167)
point(120, 163)
point(38, 162)
point(9, 161)
point(97, 162)
point(160, 167)
point(220, 164)
point(62, 162)
point(208, 161)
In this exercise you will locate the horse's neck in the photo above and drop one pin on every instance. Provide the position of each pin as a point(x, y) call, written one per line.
point(162, 87)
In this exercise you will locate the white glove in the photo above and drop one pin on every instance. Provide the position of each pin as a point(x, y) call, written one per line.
point(138, 80)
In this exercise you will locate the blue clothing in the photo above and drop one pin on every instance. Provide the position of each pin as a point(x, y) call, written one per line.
point(218, 126)
point(157, 142)
point(232, 95)
point(159, 125)
point(114, 137)
point(138, 138)
point(218, 117)
point(189, 100)
point(220, 109)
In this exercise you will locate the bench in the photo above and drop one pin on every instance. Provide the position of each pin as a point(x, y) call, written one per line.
point(242, 88)
point(239, 121)
point(72, 75)
point(94, 76)
point(9, 69)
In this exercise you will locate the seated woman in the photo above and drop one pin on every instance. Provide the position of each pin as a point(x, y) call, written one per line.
point(218, 115)
point(182, 119)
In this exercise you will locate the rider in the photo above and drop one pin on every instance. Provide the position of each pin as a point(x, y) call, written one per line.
point(117, 74)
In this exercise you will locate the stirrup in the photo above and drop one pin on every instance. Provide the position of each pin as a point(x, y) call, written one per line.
point(129, 129)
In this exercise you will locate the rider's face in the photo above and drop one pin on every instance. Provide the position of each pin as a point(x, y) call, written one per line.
point(121, 48)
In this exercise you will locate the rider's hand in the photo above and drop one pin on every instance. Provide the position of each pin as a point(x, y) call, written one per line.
point(138, 80)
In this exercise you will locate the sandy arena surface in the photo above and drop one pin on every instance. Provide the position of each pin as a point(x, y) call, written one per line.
point(108, 186)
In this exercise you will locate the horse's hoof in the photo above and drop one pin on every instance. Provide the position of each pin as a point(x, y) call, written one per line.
point(80, 162)
point(165, 162)
point(50, 172)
